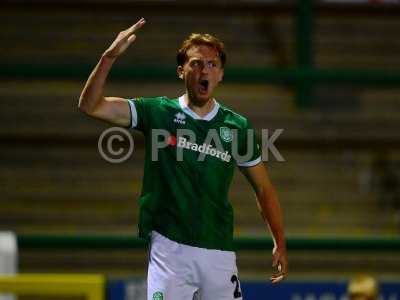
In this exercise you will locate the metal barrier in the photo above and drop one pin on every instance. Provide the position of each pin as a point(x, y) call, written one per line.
point(242, 243)
point(303, 75)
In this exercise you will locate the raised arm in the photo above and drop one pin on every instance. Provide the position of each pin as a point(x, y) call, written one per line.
point(92, 101)
point(270, 210)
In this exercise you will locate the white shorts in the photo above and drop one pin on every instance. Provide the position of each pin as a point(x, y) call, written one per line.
point(181, 272)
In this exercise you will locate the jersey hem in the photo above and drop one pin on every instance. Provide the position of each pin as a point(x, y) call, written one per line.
point(147, 236)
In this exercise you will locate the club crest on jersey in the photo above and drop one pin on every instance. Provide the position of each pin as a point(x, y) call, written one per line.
point(158, 296)
point(180, 118)
point(226, 134)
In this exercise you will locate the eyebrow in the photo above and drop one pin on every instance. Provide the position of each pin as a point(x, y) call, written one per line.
point(208, 60)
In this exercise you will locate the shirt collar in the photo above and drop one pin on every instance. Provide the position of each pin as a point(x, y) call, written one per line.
point(187, 110)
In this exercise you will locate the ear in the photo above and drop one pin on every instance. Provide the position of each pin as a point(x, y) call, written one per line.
point(179, 71)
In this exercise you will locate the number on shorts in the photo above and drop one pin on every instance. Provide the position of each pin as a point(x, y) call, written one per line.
point(236, 293)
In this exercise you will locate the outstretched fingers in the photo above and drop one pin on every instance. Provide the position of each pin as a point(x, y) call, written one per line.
point(123, 40)
point(280, 264)
point(139, 24)
point(277, 278)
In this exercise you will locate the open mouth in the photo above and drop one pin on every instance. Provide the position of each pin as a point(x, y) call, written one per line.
point(204, 85)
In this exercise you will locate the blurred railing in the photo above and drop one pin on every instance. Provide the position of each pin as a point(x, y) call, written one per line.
point(243, 243)
point(302, 76)
point(253, 75)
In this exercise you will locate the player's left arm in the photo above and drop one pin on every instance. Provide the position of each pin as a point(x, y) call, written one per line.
point(270, 210)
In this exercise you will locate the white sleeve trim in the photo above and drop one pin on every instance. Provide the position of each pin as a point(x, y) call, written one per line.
point(134, 118)
point(250, 163)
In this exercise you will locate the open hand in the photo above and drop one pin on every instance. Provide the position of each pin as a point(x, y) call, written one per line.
point(123, 40)
point(280, 263)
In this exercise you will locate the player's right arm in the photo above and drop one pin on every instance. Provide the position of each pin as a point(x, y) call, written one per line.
point(92, 101)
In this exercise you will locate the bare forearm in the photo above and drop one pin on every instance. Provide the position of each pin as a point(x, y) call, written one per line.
point(272, 214)
point(92, 93)
point(270, 209)
point(114, 110)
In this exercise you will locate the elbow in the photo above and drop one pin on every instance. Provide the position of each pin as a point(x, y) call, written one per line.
point(83, 108)
point(89, 106)
point(81, 105)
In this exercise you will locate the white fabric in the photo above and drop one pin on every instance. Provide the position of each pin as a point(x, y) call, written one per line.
point(184, 106)
point(182, 272)
point(250, 163)
point(134, 118)
point(187, 110)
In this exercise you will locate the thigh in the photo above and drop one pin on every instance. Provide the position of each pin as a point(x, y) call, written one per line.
point(161, 287)
point(221, 285)
point(168, 272)
point(220, 278)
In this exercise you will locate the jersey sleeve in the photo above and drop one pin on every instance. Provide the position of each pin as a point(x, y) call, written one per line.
point(249, 147)
point(142, 112)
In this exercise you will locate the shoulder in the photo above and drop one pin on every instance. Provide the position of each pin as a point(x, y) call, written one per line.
point(154, 102)
point(233, 117)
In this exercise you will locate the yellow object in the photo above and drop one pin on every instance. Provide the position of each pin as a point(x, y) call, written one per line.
point(90, 286)
point(363, 287)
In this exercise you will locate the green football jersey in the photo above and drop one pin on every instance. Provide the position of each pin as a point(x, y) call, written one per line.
point(189, 166)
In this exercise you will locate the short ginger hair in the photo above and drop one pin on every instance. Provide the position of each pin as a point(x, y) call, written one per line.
point(197, 39)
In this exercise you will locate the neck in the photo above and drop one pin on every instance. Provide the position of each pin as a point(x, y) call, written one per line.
point(200, 108)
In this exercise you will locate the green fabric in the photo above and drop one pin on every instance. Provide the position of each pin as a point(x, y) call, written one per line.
point(186, 201)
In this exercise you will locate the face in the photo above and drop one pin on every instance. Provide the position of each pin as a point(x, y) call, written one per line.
point(202, 72)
